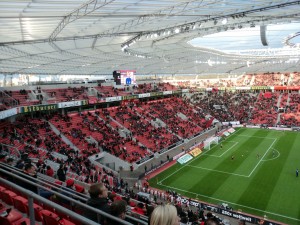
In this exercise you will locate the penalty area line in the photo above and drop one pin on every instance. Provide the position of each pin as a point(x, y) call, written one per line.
point(219, 171)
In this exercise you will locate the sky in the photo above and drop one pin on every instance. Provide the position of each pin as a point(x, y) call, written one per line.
point(248, 38)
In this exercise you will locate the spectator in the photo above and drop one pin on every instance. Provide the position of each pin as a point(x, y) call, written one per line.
point(30, 171)
point(164, 214)
point(20, 164)
point(118, 209)
point(61, 173)
point(98, 199)
point(212, 221)
point(242, 222)
point(49, 171)
point(7, 175)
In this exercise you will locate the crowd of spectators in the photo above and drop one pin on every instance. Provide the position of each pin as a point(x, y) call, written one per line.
point(66, 94)
point(167, 110)
point(226, 106)
point(140, 127)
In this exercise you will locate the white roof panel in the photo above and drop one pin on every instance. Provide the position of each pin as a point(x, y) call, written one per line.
point(152, 37)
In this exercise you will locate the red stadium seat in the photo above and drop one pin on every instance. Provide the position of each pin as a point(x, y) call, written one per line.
point(50, 218)
point(79, 188)
point(21, 204)
point(23, 221)
point(9, 216)
point(7, 197)
point(2, 189)
point(2, 207)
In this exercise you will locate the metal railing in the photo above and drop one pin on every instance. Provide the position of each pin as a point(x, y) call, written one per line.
point(61, 194)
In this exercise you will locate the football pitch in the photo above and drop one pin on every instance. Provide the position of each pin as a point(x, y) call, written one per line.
point(254, 171)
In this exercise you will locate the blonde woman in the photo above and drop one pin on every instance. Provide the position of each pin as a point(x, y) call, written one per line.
point(164, 215)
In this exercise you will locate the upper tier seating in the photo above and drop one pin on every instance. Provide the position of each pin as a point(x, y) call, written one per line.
point(65, 94)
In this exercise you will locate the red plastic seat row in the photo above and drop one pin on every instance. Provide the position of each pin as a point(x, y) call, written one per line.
point(12, 217)
point(50, 218)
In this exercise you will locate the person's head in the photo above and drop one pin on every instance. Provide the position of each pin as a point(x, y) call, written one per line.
point(164, 214)
point(242, 222)
point(29, 168)
point(20, 164)
point(118, 208)
point(10, 161)
point(98, 190)
point(212, 221)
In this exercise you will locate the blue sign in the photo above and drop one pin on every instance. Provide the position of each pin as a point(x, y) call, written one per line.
point(128, 80)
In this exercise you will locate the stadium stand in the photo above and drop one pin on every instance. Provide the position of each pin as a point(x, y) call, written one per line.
point(126, 131)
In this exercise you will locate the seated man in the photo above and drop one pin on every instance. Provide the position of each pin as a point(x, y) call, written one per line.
point(98, 199)
point(117, 209)
point(30, 171)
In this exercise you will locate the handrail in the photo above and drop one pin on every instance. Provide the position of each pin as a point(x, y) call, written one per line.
point(60, 208)
point(32, 195)
point(17, 171)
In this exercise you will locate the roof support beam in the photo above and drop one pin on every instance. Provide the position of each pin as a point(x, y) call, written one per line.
point(82, 11)
point(173, 10)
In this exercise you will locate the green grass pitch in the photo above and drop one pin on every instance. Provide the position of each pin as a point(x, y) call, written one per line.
point(261, 179)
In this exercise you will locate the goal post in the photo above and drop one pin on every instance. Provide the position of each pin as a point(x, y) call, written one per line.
point(211, 141)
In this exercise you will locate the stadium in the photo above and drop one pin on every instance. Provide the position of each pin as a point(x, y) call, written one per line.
point(113, 111)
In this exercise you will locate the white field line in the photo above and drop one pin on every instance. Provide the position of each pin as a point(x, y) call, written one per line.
point(232, 203)
point(261, 158)
point(256, 137)
point(224, 152)
point(221, 200)
point(265, 160)
point(219, 171)
point(188, 163)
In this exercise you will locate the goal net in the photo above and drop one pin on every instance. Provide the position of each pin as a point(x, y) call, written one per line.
point(211, 141)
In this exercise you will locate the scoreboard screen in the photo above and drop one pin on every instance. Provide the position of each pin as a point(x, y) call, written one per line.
point(125, 77)
point(128, 77)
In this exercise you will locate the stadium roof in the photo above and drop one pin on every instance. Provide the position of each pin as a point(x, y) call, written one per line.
point(94, 37)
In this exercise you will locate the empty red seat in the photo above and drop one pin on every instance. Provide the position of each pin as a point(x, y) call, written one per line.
point(7, 197)
point(20, 203)
point(9, 216)
point(2, 189)
point(79, 188)
point(50, 218)
point(23, 221)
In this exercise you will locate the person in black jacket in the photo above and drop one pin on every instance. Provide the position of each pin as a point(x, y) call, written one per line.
point(30, 174)
point(118, 209)
point(61, 173)
point(98, 199)
point(30, 171)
